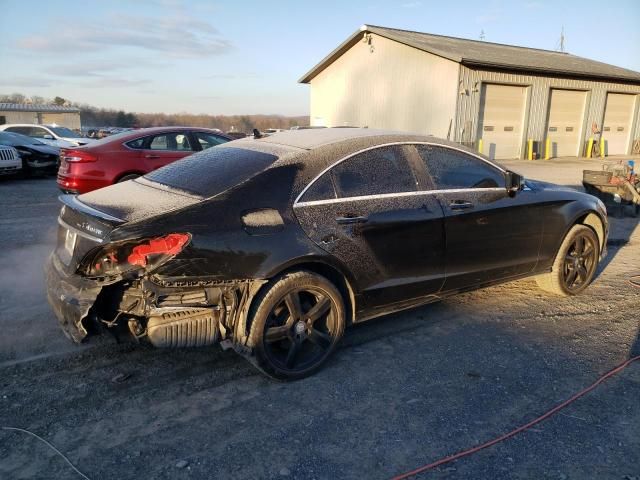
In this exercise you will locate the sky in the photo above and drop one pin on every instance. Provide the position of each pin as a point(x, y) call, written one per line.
point(246, 57)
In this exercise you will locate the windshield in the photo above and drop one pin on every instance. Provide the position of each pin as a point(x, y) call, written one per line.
point(212, 171)
point(64, 132)
point(13, 139)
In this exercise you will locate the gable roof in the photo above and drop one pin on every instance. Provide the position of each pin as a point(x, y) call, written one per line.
point(33, 107)
point(474, 53)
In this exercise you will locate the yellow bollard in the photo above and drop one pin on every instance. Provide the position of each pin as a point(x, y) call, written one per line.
point(547, 149)
point(602, 147)
point(480, 145)
point(589, 148)
point(530, 149)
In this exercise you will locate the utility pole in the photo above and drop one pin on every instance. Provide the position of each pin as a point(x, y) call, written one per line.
point(482, 35)
point(561, 42)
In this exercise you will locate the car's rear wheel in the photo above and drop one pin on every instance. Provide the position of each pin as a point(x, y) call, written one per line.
point(574, 265)
point(128, 177)
point(297, 322)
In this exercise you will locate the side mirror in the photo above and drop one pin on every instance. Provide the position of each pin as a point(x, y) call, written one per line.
point(514, 182)
point(47, 137)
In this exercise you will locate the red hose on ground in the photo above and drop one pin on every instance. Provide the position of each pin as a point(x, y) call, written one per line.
point(546, 415)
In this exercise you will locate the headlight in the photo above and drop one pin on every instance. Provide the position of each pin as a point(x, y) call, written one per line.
point(23, 153)
point(121, 258)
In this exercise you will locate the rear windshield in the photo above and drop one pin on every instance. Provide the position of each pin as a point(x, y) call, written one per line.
point(212, 171)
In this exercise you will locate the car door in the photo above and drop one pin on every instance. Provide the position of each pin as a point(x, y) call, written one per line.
point(370, 211)
point(164, 148)
point(490, 234)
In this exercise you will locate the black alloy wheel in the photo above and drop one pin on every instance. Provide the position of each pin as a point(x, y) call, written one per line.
point(575, 263)
point(580, 262)
point(298, 322)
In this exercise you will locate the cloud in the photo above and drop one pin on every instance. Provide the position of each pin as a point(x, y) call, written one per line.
point(414, 4)
point(174, 35)
point(231, 76)
point(23, 82)
point(533, 5)
point(99, 70)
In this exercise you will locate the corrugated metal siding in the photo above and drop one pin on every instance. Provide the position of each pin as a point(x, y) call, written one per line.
point(539, 90)
point(69, 120)
point(385, 84)
point(19, 117)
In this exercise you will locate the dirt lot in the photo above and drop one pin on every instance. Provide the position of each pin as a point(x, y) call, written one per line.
point(402, 391)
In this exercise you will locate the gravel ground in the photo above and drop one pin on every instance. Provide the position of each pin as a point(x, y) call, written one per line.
point(402, 391)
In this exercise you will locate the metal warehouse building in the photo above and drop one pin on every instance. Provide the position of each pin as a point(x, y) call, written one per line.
point(470, 90)
point(39, 114)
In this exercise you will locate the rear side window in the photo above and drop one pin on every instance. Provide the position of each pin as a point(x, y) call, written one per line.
point(451, 169)
point(321, 189)
point(207, 140)
point(212, 171)
point(374, 172)
point(176, 141)
point(136, 144)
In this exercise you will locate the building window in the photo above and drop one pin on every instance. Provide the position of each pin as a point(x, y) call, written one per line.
point(3, 119)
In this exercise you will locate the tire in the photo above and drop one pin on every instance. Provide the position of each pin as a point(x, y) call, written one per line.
point(286, 345)
point(573, 268)
point(131, 176)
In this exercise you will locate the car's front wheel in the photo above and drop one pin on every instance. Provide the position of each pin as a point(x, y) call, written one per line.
point(575, 263)
point(297, 321)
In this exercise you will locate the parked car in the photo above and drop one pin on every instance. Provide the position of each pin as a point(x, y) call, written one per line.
point(37, 157)
point(53, 135)
point(274, 245)
point(10, 161)
point(128, 155)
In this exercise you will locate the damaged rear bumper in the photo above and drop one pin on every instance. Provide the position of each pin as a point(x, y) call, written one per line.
point(71, 298)
point(186, 313)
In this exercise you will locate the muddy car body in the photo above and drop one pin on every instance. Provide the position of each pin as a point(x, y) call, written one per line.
point(274, 245)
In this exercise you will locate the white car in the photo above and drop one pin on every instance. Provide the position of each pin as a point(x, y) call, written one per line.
point(10, 161)
point(50, 134)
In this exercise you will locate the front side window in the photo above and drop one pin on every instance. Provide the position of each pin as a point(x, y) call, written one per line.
point(174, 141)
point(374, 172)
point(452, 169)
point(64, 132)
point(37, 132)
point(207, 140)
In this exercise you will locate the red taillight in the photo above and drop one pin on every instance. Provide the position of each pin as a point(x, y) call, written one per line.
point(77, 156)
point(122, 258)
point(168, 245)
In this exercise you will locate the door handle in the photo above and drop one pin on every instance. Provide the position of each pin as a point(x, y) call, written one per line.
point(460, 205)
point(151, 156)
point(350, 220)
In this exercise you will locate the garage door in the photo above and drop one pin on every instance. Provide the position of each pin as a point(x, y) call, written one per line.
point(501, 120)
point(565, 119)
point(618, 114)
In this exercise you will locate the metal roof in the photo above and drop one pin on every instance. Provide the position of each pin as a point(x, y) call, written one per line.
point(34, 107)
point(474, 53)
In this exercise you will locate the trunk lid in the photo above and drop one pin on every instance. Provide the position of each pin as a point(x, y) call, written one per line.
point(86, 221)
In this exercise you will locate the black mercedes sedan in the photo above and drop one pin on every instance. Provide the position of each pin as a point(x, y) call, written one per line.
point(273, 245)
point(37, 158)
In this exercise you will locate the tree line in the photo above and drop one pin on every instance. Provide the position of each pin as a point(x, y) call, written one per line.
point(91, 116)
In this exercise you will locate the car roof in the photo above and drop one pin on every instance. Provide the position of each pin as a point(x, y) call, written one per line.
point(309, 139)
point(24, 125)
point(320, 148)
point(127, 135)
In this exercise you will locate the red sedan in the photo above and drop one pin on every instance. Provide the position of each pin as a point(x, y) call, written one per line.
point(130, 154)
